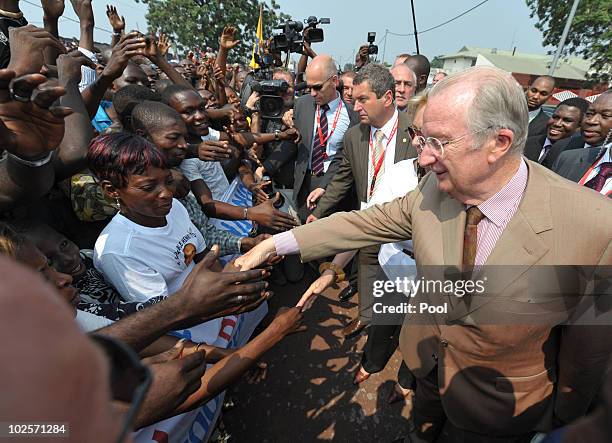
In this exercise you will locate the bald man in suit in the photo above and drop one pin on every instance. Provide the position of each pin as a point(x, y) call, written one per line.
point(509, 363)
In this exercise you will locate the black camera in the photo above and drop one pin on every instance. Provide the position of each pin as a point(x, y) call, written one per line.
point(372, 48)
point(290, 39)
point(271, 104)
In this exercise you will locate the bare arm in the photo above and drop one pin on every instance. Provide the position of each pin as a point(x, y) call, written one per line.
point(52, 11)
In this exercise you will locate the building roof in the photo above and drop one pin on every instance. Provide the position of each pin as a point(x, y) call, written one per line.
point(525, 63)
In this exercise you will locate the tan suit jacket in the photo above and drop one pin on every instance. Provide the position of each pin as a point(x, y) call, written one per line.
point(498, 378)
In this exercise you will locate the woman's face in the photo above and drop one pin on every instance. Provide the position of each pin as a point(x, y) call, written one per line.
point(29, 255)
point(147, 198)
point(63, 254)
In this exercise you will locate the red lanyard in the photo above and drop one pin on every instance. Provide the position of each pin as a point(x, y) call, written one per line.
point(322, 139)
point(378, 165)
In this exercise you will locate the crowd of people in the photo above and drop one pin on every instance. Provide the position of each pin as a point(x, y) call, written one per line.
point(158, 202)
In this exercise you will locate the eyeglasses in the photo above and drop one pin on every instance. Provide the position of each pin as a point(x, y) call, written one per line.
point(438, 146)
point(319, 86)
point(129, 378)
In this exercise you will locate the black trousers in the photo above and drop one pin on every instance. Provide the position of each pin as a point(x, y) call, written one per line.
point(382, 342)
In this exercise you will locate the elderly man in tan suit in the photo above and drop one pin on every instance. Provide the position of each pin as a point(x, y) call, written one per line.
point(506, 364)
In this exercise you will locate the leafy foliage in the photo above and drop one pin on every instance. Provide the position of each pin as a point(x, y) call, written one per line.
point(191, 26)
point(590, 35)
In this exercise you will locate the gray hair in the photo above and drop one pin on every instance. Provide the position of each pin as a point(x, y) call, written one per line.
point(378, 77)
point(415, 103)
point(498, 103)
point(405, 66)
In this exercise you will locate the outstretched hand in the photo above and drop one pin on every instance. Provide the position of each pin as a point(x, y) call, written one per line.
point(29, 126)
point(326, 280)
point(228, 38)
point(257, 256)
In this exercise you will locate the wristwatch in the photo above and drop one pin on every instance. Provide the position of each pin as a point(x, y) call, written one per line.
point(277, 135)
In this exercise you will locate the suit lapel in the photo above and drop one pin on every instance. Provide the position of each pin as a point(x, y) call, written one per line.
point(518, 248)
point(310, 119)
point(362, 158)
point(403, 145)
point(452, 219)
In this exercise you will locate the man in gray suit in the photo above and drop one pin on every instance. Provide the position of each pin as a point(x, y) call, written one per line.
point(362, 167)
point(322, 119)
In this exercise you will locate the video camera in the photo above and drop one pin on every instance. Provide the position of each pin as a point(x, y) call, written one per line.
point(291, 38)
point(270, 96)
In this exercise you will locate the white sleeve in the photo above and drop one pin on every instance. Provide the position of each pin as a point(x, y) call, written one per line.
point(191, 169)
point(88, 75)
point(200, 242)
point(214, 135)
point(133, 279)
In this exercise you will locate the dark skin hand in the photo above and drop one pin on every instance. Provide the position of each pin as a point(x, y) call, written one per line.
point(27, 49)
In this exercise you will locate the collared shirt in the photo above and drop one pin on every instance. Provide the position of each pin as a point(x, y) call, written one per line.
point(545, 149)
point(88, 75)
point(389, 160)
point(498, 210)
point(607, 187)
point(533, 114)
point(101, 120)
point(334, 143)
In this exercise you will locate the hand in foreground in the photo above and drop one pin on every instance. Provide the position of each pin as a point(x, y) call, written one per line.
point(175, 378)
point(130, 45)
point(267, 215)
point(258, 192)
point(313, 198)
point(29, 126)
point(260, 254)
point(206, 294)
point(27, 44)
point(69, 66)
point(327, 279)
point(212, 151)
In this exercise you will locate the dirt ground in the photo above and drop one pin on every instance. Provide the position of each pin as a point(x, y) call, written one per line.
point(308, 395)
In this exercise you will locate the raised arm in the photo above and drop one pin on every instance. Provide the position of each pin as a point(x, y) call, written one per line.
point(226, 43)
point(52, 11)
point(153, 53)
point(117, 23)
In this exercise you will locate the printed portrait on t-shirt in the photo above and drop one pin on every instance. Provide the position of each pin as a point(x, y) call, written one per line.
point(189, 251)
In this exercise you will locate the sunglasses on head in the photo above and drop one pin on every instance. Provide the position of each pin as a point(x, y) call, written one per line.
point(129, 378)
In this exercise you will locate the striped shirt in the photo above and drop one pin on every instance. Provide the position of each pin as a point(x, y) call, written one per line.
point(498, 210)
point(88, 75)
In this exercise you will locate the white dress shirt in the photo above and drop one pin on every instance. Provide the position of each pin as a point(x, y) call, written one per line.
point(334, 143)
point(390, 147)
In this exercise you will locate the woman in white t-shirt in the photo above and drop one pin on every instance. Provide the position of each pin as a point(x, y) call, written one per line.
point(150, 246)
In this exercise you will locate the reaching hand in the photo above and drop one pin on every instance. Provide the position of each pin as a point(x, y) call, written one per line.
point(219, 75)
point(249, 243)
point(207, 294)
point(27, 44)
point(267, 215)
point(228, 38)
point(326, 280)
point(175, 378)
point(69, 66)
point(213, 151)
point(130, 45)
point(311, 218)
point(163, 44)
point(362, 57)
point(83, 10)
point(288, 118)
point(252, 100)
point(258, 192)
point(29, 126)
point(53, 9)
point(290, 134)
point(313, 198)
point(288, 321)
point(116, 22)
point(260, 254)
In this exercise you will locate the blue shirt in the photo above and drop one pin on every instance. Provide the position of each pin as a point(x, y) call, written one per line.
point(101, 120)
point(335, 141)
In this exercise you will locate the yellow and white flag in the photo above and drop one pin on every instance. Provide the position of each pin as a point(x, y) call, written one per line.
point(257, 45)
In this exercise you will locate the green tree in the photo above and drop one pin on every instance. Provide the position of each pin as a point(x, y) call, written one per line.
point(191, 26)
point(589, 37)
point(437, 62)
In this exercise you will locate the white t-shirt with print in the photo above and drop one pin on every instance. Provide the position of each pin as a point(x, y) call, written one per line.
point(211, 172)
point(142, 262)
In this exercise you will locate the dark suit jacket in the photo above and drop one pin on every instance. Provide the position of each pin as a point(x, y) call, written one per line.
point(537, 126)
point(354, 166)
point(574, 142)
point(574, 164)
point(533, 147)
point(304, 114)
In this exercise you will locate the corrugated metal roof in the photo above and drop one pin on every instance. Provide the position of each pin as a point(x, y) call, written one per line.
point(525, 63)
